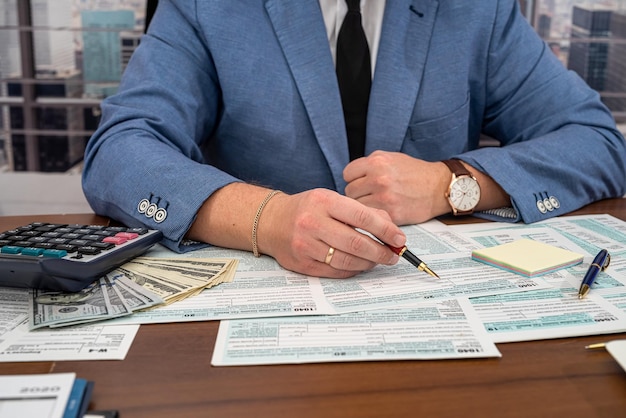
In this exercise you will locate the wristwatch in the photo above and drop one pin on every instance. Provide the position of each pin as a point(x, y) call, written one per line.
point(464, 191)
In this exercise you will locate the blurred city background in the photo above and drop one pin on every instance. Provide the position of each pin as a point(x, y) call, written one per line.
point(60, 58)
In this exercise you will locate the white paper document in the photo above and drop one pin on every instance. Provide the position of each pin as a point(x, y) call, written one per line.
point(17, 343)
point(87, 342)
point(13, 310)
point(617, 349)
point(263, 289)
point(35, 395)
point(443, 329)
point(460, 276)
point(558, 312)
point(271, 315)
point(250, 295)
point(546, 314)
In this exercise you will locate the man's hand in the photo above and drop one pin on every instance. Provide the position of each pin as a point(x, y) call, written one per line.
point(410, 190)
point(298, 231)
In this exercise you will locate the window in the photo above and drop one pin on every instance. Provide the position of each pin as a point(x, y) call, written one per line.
point(589, 37)
point(59, 58)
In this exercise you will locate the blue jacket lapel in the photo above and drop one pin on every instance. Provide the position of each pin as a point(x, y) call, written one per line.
point(305, 45)
point(400, 63)
point(405, 38)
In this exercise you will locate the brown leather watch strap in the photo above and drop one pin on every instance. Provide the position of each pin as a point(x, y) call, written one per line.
point(457, 168)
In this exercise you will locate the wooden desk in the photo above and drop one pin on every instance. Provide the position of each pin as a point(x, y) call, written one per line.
point(167, 373)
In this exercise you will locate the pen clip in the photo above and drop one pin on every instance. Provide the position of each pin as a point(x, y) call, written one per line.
point(606, 263)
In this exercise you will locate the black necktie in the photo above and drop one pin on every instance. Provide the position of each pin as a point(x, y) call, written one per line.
point(354, 75)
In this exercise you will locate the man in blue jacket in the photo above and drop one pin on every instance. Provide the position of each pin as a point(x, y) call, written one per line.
point(225, 101)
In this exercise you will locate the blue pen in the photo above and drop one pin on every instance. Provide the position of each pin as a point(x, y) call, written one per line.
point(600, 263)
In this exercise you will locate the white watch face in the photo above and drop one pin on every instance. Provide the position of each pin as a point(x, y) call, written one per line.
point(464, 193)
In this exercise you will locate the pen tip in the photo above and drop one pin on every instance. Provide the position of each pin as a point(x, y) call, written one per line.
point(432, 273)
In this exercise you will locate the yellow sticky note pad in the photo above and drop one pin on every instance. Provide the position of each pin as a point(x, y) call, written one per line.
point(527, 257)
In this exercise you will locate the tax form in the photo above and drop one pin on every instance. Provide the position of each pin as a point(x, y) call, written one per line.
point(558, 312)
point(250, 295)
point(274, 291)
point(546, 314)
point(87, 342)
point(17, 343)
point(443, 329)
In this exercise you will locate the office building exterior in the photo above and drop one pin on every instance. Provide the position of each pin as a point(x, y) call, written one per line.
point(47, 131)
point(102, 49)
point(616, 68)
point(59, 143)
point(589, 49)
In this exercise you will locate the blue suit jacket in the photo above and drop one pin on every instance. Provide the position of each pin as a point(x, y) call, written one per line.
point(245, 90)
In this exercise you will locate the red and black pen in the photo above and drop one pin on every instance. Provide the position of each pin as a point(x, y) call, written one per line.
point(412, 258)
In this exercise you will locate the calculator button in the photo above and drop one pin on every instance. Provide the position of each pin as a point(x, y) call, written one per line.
point(47, 227)
point(71, 236)
point(16, 238)
point(127, 235)
point(57, 241)
point(95, 227)
point(35, 252)
point(54, 253)
point(115, 240)
point(117, 228)
point(26, 228)
point(102, 245)
point(10, 249)
point(44, 245)
point(79, 242)
point(30, 233)
point(67, 247)
point(140, 231)
point(104, 233)
point(89, 250)
point(91, 237)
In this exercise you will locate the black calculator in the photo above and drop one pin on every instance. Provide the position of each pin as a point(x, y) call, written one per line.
point(66, 257)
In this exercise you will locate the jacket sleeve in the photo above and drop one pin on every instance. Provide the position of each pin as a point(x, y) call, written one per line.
point(560, 147)
point(152, 129)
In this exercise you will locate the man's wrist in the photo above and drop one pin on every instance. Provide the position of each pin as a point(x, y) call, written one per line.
point(257, 218)
point(463, 193)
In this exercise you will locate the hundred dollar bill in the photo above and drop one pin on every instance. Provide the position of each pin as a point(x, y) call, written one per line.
point(140, 284)
point(135, 296)
point(165, 290)
point(181, 271)
point(116, 306)
point(49, 308)
point(190, 276)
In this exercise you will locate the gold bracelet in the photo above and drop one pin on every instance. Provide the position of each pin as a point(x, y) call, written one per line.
point(255, 224)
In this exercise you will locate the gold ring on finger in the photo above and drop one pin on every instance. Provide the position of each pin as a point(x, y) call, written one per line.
point(329, 255)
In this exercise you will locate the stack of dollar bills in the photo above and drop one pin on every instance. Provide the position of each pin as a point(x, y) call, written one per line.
point(143, 283)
